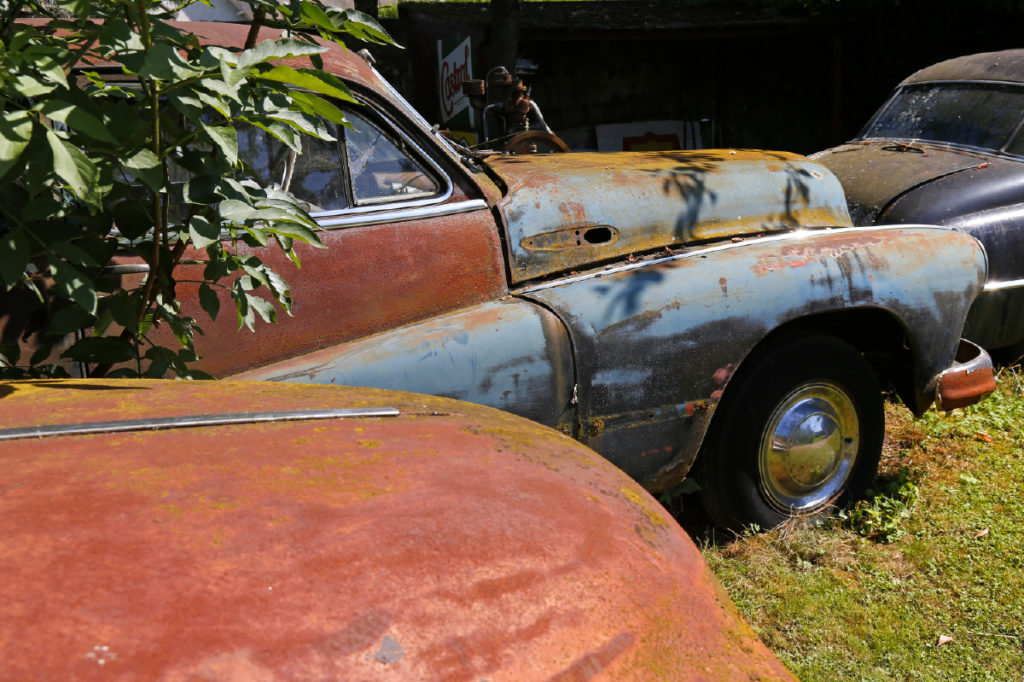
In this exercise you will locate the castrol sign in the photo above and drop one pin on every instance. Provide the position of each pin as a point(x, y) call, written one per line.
point(454, 66)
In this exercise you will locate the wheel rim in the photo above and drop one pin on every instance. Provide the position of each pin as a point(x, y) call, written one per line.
point(808, 448)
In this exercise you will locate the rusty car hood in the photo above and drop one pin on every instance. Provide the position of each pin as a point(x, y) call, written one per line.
point(876, 173)
point(566, 211)
point(449, 541)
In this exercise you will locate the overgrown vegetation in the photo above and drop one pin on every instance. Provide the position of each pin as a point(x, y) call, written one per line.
point(119, 138)
point(923, 581)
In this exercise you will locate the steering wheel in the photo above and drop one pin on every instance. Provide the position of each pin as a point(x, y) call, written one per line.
point(534, 142)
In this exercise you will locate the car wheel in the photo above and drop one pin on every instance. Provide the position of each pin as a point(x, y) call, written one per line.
point(796, 432)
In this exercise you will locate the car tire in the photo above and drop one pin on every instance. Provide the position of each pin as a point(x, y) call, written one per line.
point(799, 429)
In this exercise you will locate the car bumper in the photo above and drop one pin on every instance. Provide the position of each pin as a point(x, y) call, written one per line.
point(969, 380)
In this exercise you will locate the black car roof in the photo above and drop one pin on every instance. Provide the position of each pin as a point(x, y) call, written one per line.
point(1006, 66)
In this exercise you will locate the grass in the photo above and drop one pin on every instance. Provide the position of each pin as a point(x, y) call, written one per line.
point(925, 581)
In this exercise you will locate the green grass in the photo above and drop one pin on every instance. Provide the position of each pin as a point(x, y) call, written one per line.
point(869, 592)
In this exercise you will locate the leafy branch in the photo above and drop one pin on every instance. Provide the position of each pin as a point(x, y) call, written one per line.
point(119, 145)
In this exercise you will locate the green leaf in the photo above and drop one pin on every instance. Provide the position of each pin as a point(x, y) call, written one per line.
point(101, 349)
point(15, 134)
point(146, 167)
point(41, 354)
point(133, 217)
point(318, 106)
point(245, 313)
point(28, 86)
point(209, 300)
point(314, 81)
point(74, 286)
point(225, 138)
point(69, 319)
point(361, 26)
point(187, 103)
point(163, 63)
point(240, 212)
point(271, 50)
point(14, 256)
point(76, 118)
point(263, 307)
point(295, 231)
point(10, 353)
point(215, 102)
point(74, 168)
point(309, 125)
point(202, 232)
point(74, 255)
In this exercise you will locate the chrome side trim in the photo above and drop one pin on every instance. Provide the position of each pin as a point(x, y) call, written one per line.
point(1009, 284)
point(701, 253)
point(191, 421)
point(404, 214)
point(126, 268)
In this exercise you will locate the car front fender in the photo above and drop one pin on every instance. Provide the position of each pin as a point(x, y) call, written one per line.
point(657, 341)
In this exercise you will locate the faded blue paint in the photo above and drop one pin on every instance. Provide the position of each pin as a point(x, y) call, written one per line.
point(644, 201)
point(512, 354)
point(657, 336)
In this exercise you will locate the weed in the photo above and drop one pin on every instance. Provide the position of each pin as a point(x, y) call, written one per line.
point(880, 517)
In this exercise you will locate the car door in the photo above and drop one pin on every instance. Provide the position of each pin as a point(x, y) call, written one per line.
point(408, 237)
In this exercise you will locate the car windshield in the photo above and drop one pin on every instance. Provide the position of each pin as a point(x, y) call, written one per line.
point(977, 115)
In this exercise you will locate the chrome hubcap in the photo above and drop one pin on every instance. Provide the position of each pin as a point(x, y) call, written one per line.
point(809, 447)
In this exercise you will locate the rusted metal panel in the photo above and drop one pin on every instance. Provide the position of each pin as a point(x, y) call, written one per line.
point(656, 342)
point(567, 211)
point(370, 278)
point(451, 543)
point(969, 380)
point(511, 354)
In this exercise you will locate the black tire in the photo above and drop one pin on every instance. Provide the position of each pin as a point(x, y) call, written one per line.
point(821, 399)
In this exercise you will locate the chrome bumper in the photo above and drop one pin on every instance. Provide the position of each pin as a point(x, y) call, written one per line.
point(969, 380)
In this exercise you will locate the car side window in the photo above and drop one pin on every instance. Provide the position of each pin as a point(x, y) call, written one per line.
point(362, 166)
point(382, 170)
point(316, 176)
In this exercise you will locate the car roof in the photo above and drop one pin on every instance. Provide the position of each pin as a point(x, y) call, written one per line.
point(1004, 66)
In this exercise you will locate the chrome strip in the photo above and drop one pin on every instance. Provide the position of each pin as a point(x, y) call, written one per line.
point(395, 216)
point(1011, 284)
point(798, 234)
point(190, 421)
point(126, 269)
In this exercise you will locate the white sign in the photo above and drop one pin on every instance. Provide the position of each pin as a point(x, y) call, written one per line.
point(453, 68)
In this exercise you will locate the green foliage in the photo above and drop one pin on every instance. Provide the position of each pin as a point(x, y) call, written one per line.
point(940, 602)
point(145, 167)
point(880, 516)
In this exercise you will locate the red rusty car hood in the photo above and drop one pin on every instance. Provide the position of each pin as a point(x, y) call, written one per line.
point(566, 211)
point(450, 542)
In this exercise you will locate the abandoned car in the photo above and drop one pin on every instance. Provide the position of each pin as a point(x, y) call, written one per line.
point(217, 531)
point(947, 148)
point(713, 311)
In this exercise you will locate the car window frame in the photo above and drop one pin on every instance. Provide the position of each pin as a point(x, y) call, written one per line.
point(1001, 151)
point(376, 114)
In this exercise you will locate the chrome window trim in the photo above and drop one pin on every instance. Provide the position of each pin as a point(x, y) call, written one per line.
point(404, 214)
point(191, 421)
point(702, 252)
point(1009, 284)
point(448, 186)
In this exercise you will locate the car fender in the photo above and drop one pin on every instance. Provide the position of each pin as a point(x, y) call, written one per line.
point(510, 354)
point(657, 341)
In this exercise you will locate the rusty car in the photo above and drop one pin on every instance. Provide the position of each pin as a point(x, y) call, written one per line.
point(224, 531)
point(710, 311)
point(947, 148)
